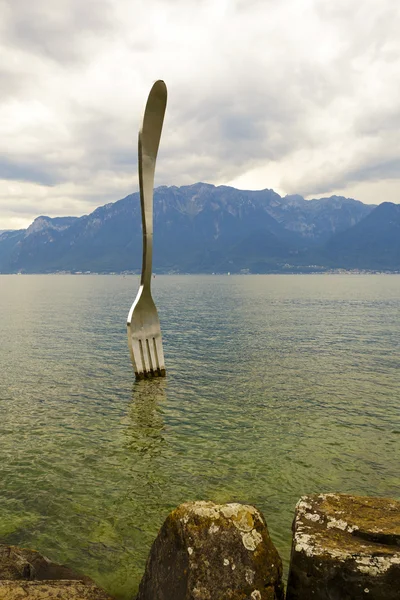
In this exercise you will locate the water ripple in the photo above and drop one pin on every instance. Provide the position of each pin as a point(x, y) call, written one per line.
point(277, 386)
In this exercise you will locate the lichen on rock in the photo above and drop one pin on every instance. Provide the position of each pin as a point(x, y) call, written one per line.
point(26, 574)
point(231, 556)
point(344, 545)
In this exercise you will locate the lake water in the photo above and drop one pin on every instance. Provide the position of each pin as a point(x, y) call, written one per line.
point(277, 386)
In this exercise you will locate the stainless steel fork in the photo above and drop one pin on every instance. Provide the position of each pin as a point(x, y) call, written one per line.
point(144, 332)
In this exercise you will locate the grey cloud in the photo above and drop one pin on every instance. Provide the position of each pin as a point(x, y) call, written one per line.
point(252, 107)
point(11, 84)
point(103, 142)
point(361, 169)
point(364, 170)
point(56, 31)
point(20, 170)
point(375, 157)
point(245, 125)
point(246, 5)
point(27, 207)
point(384, 169)
point(247, 117)
point(379, 124)
point(20, 208)
point(379, 21)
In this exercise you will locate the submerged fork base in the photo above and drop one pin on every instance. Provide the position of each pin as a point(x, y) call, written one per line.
point(144, 337)
point(148, 374)
point(147, 354)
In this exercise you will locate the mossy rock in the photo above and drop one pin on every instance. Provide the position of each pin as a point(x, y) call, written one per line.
point(345, 548)
point(26, 574)
point(50, 590)
point(207, 551)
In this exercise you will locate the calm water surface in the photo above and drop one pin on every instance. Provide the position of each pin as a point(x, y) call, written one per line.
point(277, 386)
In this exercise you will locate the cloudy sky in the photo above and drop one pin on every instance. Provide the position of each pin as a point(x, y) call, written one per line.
point(301, 96)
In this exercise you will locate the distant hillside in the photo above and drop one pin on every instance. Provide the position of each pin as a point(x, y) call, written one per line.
point(373, 243)
point(203, 228)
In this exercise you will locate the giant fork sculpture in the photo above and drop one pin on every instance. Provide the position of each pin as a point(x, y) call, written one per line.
point(144, 332)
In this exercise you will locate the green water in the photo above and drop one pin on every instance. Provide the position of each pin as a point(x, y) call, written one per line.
point(277, 386)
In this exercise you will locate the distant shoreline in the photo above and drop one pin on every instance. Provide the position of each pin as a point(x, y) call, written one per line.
point(233, 274)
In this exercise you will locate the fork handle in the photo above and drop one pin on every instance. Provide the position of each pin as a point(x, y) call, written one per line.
point(149, 141)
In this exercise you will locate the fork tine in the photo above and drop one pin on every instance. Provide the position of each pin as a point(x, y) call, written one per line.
point(158, 348)
point(156, 354)
point(136, 358)
point(145, 357)
point(151, 356)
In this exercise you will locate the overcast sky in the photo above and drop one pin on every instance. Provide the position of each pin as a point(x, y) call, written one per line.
point(301, 96)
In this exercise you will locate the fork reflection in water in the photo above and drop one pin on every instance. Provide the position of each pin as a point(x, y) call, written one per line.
point(145, 424)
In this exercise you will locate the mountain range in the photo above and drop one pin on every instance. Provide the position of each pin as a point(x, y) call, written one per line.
point(202, 228)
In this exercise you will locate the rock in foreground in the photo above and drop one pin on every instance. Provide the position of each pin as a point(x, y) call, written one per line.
point(27, 575)
point(207, 551)
point(345, 548)
point(50, 590)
